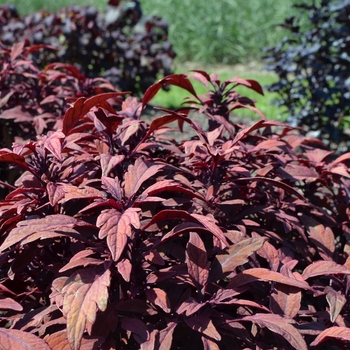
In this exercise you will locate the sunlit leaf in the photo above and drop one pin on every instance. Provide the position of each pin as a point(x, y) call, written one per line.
point(16, 339)
point(279, 325)
point(321, 268)
point(237, 255)
point(342, 333)
point(84, 292)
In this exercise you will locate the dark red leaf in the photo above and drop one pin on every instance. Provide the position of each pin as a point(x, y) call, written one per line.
point(82, 106)
point(179, 80)
point(7, 156)
point(251, 84)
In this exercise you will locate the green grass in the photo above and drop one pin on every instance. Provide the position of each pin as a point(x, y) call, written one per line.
point(174, 97)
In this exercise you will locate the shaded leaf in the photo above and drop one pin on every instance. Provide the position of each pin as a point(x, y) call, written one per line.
point(16, 339)
point(135, 326)
point(160, 298)
point(204, 325)
point(320, 268)
point(321, 236)
point(279, 325)
point(40, 228)
point(197, 260)
point(342, 333)
point(84, 292)
point(190, 306)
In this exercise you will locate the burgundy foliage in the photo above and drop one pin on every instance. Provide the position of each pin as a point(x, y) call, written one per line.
point(118, 236)
point(128, 48)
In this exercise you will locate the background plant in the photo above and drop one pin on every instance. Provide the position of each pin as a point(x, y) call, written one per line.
point(118, 43)
point(198, 28)
point(119, 235)
point(312, 64)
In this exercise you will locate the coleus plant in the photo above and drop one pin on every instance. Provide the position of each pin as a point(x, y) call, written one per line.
point(118, 236)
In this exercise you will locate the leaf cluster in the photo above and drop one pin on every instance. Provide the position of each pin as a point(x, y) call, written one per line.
point(312, 63)
point(118, 236)
point(34, 100)
point(120, 43)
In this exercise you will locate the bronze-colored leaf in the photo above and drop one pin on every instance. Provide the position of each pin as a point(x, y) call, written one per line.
point(209, 344)
point(84, 293)
point(137, 174)
point(166, 336)
point(160, 298)
point(261, 274)
point(117, 227)
point(39, 227)
point(124, 267)
point(203, 324)
point(279, 325)
point(321, 268)
point(342, 333)
point(16, 339)
point(59, 341)
point(285, 300)
point(237, 255)
point(336, 301)
point(321, 236)
point(10, 304)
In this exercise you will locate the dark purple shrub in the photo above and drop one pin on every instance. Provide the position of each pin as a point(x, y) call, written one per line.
point(120, 44)
point(312, 63)
point(118, 236)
